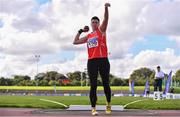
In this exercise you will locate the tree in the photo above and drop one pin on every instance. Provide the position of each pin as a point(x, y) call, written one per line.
point(75, 78)
point(75, 83)
point(26, 77)
point(9, 82)
point(59, 76)
point(21, 80)
point(141, 75)
point(76, 75)
point(116, 82)
point(43, 83)
point(40, 76)
point(176, 76)
point(52, 75)
point(53, 83)
point(2, 81)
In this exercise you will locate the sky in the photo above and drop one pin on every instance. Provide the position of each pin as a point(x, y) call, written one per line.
point(140, 33)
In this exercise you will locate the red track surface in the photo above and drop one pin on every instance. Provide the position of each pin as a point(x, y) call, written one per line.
point(23, 112)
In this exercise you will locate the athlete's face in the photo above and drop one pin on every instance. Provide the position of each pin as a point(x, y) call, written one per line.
point(94, 24)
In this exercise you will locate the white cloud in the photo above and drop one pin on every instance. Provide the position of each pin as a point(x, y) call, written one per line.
point(160, 18)
point(20, 8)
point(147, 58)
point(77, 64)
point(22, 65)
point(177, 39)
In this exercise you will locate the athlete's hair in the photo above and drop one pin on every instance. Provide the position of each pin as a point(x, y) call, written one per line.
point(95, 18)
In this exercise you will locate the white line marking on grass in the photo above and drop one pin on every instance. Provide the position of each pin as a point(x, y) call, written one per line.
point(133, 102)
point(54, 102)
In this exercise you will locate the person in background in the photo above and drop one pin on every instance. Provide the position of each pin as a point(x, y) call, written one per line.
point(159, 76)
point(172, 90)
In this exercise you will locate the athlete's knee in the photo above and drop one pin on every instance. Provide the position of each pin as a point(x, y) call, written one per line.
point(93, 88)
point(106, 84)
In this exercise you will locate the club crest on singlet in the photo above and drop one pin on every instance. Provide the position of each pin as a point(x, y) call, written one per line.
point(93, 42)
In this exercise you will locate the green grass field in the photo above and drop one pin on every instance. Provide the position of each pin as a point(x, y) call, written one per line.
point(137, 88)
point(35, 102)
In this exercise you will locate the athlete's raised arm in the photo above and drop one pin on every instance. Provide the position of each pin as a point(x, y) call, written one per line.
point(104, 24)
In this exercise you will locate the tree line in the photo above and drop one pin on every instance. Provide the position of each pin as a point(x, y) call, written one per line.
point(78, 78)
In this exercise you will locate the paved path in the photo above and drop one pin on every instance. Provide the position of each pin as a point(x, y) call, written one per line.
point(23, 112)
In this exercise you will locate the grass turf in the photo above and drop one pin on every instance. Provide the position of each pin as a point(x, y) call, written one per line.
point(115, 88)
point(35, 102)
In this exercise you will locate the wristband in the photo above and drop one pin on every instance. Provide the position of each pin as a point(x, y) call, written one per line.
point(80, 31)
